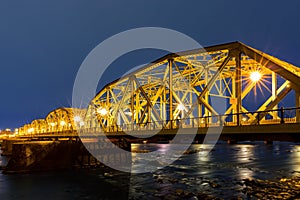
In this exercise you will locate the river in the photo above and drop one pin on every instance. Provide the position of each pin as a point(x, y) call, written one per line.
point(220, 174)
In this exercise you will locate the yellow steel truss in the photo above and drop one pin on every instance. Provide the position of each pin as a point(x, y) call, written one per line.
point(59, 120)
point(180, 87)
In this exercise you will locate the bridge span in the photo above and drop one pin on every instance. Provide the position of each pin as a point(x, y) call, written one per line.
point(242, 89)
point(230, 88)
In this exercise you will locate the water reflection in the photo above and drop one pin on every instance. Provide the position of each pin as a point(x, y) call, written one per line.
point(203, 155)
point(244, 154)
point(295, 159)
point(218, 172)
point(245, 173)
point(144, 160)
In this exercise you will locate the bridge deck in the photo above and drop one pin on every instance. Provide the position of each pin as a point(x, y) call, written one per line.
point(280, 132)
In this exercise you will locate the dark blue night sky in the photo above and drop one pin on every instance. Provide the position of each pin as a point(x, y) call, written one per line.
point(43, 43)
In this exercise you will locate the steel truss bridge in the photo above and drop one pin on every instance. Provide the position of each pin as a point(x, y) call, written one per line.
point(213, 86)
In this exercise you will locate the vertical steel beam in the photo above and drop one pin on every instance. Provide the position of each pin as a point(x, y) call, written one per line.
point(190, 102)
point(206, 97)
point(171, 90)
point(274, 92)
point(161, 105)
point(137, 108)
point(107, 96)
point(297, 99)
point(234, 97)
point(238, 83)
point(132, 102)
point(164, 110)
point(199, 112)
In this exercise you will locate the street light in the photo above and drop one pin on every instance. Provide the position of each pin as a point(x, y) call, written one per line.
point(180, 107)
point(102, 111)
point(30, 130)
point(77, 118)
point(244, 119)
point(255, 76)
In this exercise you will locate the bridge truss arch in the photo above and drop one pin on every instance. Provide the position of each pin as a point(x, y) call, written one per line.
point(58, 120)
point(177, 90)
point(65, 119)
point(39, 126)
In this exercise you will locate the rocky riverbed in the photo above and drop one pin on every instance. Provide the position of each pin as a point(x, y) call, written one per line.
point(171, 188)
point(285, 188)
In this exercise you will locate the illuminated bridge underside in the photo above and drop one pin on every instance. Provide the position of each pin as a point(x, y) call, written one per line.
point(184, 90)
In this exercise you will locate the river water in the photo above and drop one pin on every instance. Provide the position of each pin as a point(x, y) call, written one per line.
point(220, 174)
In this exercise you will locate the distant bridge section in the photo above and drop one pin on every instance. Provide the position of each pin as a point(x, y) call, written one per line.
point(57, 121)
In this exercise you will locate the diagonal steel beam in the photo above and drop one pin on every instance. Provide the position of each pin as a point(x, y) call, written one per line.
point(269, 100)
point(120, 103)
point(208, 87)
point(215, 76)
point(272, 104)
point(145, 95)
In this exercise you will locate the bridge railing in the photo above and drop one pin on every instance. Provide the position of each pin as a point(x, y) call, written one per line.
point(63, 133)
point(275, 116)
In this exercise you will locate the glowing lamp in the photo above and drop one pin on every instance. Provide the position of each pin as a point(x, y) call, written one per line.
point(77, 118)
point(255, 76)
point(62, 123)
point(180, 107)
point(102, 111)
point(30, 130)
